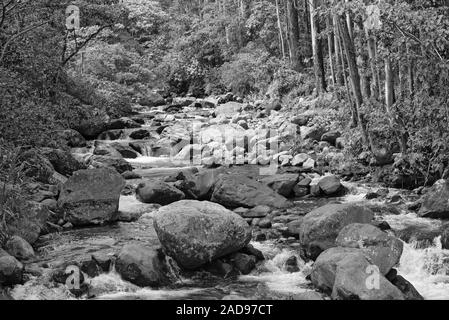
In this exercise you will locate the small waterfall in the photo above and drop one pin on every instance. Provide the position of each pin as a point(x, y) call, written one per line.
point(274, 274)
point(427, 269)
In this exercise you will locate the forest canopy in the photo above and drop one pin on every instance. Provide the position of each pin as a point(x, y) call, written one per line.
point(385, 64)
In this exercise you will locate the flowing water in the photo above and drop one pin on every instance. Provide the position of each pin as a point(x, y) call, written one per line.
point(424, 263)
point(427, 268)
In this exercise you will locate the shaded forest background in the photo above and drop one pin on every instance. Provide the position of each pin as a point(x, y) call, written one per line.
point(381, 76)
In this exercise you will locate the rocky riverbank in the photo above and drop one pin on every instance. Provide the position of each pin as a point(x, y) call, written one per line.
point(188, 187)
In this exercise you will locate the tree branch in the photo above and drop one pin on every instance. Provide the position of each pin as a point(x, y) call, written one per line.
point(17, 35)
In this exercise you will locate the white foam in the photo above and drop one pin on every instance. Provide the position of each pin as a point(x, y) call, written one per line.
point(273, 272)
point(427, 269)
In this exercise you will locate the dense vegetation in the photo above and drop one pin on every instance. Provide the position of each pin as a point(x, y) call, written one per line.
point(385, 66)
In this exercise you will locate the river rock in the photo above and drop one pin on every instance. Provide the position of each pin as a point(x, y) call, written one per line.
point(35, 165)
point(195, 232)
point(299, 159)
point(282, 183)
point(313, 133)
point(91, 196)
point(158, 192)
point(435, 202)
point(320, 227)
point(62, 161)
point(140, 134)
point(243, 263)
point(152, 99)
point(19, 248)
point(72, 138)
point(102, 148)
point(407, 289)
point(330, 185)
point(141, 265)
point(29, 221)
point(325, 267)
point(379, 247)
point(125, 150)
point(119, 164)
point(235, 191)
point(228, 109)
point(356, 280)
point(331, 137)
point(11, 270)
point(345, 272)
point(122, 123)
point(111, 135)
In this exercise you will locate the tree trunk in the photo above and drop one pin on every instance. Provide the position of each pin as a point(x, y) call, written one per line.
point(330, 46)
point(318, 63)
point(338, 57)
point(294, 35)
point(354, 75)
point(375, 90)
point(281, 33)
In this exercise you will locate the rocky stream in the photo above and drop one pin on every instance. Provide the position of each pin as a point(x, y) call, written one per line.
point(208, 199)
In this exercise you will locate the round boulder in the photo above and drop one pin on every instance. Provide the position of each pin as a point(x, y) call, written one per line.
point(143, 266)
point(158, 192)
point(195, 233)
point(320, 227)
point(379, 247)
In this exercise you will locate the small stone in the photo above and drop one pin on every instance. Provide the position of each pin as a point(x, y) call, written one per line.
point(265, 223)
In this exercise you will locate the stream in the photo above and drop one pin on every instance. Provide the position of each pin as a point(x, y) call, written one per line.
point(424, 263)
point(427, 268)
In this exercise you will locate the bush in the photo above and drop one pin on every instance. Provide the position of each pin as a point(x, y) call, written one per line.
point(251, 71)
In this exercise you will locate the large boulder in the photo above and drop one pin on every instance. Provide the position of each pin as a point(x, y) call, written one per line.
point(356, 279)
point(63, 162)
point(228, 109)
point(312, 133)
point(29, 221)
point(35, 165)
point(72, 138)
point(435, 202)
point(325, 267)
point(91, 196)
point(195, 233)
point(141, 265)
point(11, 270)
point(153, 99)
point(235, 191)
point(282, 183)
point(19, 248)
point(379, 247)
point(330, 185)
point(320, 227)
point(158, 192)
point(347, 274)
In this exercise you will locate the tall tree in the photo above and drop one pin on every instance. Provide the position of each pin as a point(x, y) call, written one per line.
point(318, 61)
point(292, 9)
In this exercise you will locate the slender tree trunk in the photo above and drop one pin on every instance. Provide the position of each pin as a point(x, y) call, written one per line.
point(411, 81)
point(375, 90)
point(355, 80)
point(281, 35)
point(338, 57)
point(389, 85)
point(294, 35)
point(330, 46)
point(318, 63)
point(366, 90)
